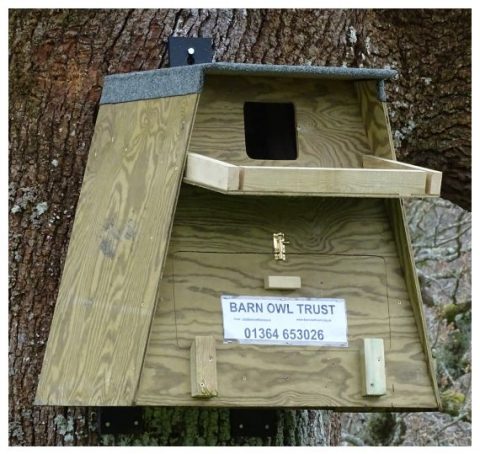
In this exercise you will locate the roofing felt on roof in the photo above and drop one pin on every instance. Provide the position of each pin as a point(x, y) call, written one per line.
point(182, 80)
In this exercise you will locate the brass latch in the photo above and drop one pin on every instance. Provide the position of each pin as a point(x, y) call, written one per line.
point(279, 242)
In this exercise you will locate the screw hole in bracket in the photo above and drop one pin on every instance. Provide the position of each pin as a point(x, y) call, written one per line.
point(120, 420)
point(253, 422)
point(189, 51)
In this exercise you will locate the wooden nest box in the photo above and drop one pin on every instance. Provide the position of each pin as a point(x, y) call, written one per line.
point(240, 240)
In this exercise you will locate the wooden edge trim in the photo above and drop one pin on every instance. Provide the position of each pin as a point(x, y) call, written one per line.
point(227, 178)
point(373, 373)
point(346, 181)
point(203, 367)
point(212, 173)
point(433, 177)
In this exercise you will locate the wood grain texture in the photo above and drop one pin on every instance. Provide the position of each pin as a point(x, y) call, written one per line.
point(203, 277)
point(385, 179)
point(375, 119)
point(206, 221)
point(211, 173)
point(332, 182)
point(396, 213)
point(330, 129)
point(373, 359)
point(433, 177)
point(203, 367)
point(57, 61)
point(116, 254)
point(336, 252)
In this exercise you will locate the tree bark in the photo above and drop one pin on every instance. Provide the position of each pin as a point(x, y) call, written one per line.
point(57, 62)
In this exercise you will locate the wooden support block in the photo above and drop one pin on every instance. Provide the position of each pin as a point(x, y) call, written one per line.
point(205, 171)
point(203, 367)
point(283, 282)
point(373, 359)
point(433, 177)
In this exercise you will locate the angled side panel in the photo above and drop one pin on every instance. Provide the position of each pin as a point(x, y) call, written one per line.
point(375, 119)
point(399, 225)
point(116, 253)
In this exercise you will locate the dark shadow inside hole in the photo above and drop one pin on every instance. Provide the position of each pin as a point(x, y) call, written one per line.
point(270, 131)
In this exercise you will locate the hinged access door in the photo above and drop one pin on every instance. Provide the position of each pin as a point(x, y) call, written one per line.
point(265, 375)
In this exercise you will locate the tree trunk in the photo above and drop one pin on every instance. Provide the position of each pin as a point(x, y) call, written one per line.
point(58, 59)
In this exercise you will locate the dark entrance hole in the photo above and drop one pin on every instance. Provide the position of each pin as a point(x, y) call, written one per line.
point(270, 130)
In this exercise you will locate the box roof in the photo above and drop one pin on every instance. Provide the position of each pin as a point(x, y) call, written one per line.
point(182, 80)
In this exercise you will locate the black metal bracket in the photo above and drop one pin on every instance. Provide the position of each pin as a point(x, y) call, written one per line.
point(120, 420)
point(189, 51)
point(253, 422)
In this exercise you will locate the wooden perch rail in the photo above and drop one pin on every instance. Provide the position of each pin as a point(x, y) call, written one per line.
point(379, 177)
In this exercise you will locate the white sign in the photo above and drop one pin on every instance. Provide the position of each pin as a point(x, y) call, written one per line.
point(284, 321)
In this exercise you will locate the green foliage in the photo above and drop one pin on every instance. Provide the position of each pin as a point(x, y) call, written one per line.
point(451, 311)
point(453, 353)
point(452, 402)
point(385, 429)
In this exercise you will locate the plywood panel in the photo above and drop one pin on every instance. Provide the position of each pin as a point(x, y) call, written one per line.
point(211, 222)
point(203, 277)
point(250, 375)
point(399, 227)
point(256, 376)
point(375, 118)
point(330, 129)
point(116, 254)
